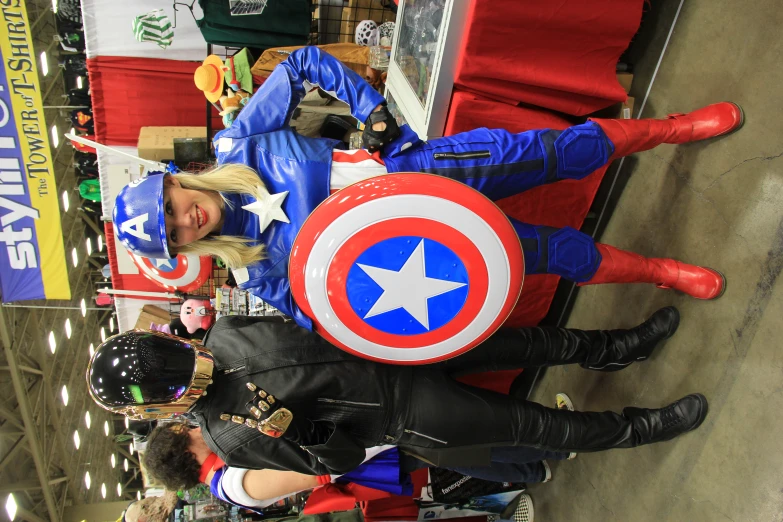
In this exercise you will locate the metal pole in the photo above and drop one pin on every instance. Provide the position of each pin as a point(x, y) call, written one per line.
point(140, 293)
point(29, 424)
point(153, 165)
point(48, 307)
point(27, 515)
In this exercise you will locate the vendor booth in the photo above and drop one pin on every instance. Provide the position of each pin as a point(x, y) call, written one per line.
point(448, 66)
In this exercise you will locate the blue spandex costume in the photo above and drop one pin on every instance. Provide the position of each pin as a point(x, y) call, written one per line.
point(495, 162)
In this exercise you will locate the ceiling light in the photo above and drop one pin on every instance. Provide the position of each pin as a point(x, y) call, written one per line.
point(83, 306)
point(66, 201)
point(87, 481)
point(119, 489)
point(76, 441)
point(92, 350)
point(87, 419)
point(44, 63)
point(64, 394)
point(127, 424)
point(100, 243)
point(89, 246)
point(103, 490)
point(125, 464)
point(10, 507)
point(55, 137)
point(79, 83)
point(106, 428)
point(111, 324)
point(52, 342)
point(75, 257)
point(113, 461)
point(68, 330)
point(54, 6)
point(138, 495)
point(131, 448)
point(103, 334)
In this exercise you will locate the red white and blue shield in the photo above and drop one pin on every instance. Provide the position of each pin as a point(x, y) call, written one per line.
point(185, 272)
point(407, 268)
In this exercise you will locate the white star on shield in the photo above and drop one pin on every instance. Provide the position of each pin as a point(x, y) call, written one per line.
point(163, 262)
point(268, 208)
point(409, 288)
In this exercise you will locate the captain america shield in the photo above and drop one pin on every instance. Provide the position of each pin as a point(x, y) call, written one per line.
point(186, 272)
point(406, 268)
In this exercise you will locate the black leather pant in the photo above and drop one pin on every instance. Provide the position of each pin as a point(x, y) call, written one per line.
point(444, 413)
point(510, 349)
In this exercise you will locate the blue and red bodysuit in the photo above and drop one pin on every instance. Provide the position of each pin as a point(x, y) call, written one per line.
point(495, 162)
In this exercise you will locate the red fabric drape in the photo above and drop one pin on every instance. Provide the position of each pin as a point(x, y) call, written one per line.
point(560, 204)
point(130, 93)
point(558, 55)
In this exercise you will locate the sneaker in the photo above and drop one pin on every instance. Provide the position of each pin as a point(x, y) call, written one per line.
point(547, 472)
point(563, 402)
point(524, 511)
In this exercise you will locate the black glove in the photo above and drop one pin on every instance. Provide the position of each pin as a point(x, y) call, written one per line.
point(373, 140)
point(270, 417)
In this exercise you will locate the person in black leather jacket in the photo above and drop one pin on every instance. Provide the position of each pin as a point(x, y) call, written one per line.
point(277, 396)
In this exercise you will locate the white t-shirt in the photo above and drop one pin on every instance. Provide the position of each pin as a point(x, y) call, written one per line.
point(231, 489)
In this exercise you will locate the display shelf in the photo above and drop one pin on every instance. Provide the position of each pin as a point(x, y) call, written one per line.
point(423, 61)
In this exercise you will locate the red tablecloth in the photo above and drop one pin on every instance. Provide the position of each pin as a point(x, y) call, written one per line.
point(130, 93)
point(565, 203)
point(559, 55)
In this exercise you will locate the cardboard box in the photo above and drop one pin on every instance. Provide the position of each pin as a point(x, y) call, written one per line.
point(620, 111)
point(152, 314)
point(157, 143)
point(626, 109)
point(625, 79)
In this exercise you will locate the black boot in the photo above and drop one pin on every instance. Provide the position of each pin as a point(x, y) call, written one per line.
point(606, 350)
point(662, 424)
point(613, 350)
point(579, 431)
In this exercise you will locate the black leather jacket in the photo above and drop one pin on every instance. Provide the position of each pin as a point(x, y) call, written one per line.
point(369, 401)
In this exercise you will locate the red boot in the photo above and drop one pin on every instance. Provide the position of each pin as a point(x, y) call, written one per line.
point(621, 266)
point(629, 136)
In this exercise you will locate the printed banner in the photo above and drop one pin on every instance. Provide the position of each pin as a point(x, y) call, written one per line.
point(32, 260)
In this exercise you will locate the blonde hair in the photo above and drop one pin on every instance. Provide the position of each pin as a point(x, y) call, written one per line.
point(236, 251)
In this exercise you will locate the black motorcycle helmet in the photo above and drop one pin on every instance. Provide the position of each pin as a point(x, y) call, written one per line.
point(148, 374)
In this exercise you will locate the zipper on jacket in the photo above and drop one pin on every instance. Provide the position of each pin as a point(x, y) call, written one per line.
point(425, 436)
point(349, 403)
point(233, 370)
point(476, 154)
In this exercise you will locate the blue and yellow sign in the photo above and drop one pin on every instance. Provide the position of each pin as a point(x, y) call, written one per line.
point(32, 261)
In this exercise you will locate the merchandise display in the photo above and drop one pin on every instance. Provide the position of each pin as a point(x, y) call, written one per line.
point(424, 60)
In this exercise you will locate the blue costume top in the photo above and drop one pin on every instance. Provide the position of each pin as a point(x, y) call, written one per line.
point(285, 161)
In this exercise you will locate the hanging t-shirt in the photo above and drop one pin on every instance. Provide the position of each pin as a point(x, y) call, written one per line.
point(90, 189)
point(282, 23)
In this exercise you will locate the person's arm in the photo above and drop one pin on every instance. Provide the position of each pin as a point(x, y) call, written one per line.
point(270, 108)
point(257, 489)
point(262, 484)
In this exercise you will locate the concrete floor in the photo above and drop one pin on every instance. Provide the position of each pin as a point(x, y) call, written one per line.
point(717, 203)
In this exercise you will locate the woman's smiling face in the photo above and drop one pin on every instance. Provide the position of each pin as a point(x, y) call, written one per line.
point(190, 214)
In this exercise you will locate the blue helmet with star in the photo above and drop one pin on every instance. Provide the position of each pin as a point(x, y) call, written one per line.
point(139, 217)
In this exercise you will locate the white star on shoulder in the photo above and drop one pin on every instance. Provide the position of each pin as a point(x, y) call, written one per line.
point(409, 288)
point(268, 208)
point(163, 262)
